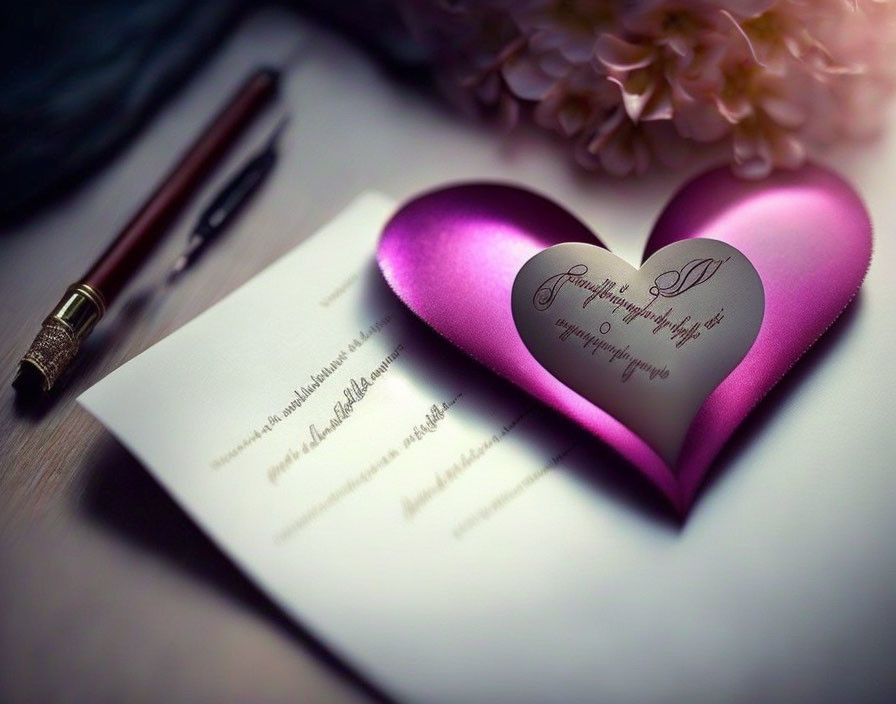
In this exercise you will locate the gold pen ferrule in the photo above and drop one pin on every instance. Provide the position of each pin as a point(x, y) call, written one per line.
point(79, 310)
point(61, 334)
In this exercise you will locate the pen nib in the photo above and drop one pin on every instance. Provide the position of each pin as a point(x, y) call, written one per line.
point(185, 259)
point(179, 265)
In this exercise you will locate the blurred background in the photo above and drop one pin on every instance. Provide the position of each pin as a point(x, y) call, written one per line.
point(81, 78)
point(768, 83)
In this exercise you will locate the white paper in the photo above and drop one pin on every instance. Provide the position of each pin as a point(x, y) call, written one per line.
point(379, 485)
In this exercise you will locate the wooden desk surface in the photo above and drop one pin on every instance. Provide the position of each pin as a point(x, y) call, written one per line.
point(109, 592)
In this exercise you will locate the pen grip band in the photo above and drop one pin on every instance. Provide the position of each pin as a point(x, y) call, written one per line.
point(61, 334)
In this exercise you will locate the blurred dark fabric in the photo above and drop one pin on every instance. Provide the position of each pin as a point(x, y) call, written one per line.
point(80, 78)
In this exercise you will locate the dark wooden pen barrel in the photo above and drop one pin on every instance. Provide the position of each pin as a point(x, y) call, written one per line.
point(125, 255)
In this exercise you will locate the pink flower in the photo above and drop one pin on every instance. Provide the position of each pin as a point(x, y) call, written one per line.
point(627, 81)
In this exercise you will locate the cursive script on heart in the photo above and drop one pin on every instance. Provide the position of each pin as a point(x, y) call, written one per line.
point(806, 233)
point(647, 345)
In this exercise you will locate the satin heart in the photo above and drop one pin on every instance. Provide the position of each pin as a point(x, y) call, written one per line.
point(806, 233)
point(647, 345)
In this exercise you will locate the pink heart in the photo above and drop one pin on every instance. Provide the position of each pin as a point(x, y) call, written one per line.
point(452, 255)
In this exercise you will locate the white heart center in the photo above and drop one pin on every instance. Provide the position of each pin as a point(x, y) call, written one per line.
point(647, 345)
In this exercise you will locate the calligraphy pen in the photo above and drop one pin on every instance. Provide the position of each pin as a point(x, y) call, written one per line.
point(86, 301)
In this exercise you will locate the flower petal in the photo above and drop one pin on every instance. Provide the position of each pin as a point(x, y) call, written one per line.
point(786, 113)
point(620, 55)
point(525, 78)
point(660, 108)
point(635, 102)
